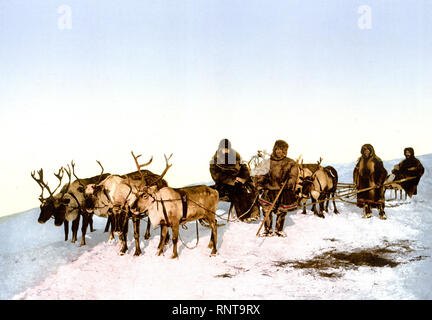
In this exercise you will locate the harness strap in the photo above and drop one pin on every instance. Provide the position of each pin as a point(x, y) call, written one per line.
point(76, 200)
point(184, 200)
point(165, 213)
point(321, 189)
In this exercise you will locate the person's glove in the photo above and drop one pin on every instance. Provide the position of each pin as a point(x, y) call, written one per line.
point(241, 180)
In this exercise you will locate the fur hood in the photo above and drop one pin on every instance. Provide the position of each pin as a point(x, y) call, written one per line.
point(410, 150)
point(279, 144)
point(371, 150)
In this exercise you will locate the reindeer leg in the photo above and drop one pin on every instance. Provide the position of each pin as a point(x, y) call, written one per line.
point(91, 222)
point(303, 202)
point(108, 223)
point(84, 228)
point(66, 229)
point(175, 231)
point(335, 210)
point(123, 237)
point(75, 226)
point(326, 205)
point(164, 230)
point(167, 238)
point(382, 214)
point(136, 224)
point(314, 209)
point(211, 222)
point(321, 209)
point(214, 237)
point(147, 233)
point(367, 212)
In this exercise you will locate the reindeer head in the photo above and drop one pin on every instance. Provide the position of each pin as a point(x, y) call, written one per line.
point(97, 200)
point(89, 191)
point(306, 185)
point(55, 204)
point(143, 199)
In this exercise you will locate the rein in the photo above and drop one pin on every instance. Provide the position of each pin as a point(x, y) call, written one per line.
point(352, 193)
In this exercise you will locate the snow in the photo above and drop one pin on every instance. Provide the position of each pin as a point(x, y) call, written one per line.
point(36, 262)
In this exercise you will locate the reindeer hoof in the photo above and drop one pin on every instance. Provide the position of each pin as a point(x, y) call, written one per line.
point(174, 256)
point(137, 253)
point(82, 244)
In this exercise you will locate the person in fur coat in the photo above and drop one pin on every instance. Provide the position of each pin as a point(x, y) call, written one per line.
point(410, 167)
point(233, 181)
point(280, 169)
point(370, 172)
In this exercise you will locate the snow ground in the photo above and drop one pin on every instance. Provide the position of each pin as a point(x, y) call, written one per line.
point(36, 263)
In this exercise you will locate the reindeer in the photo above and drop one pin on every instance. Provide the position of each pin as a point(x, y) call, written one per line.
point(55, 203)
point(78, 200)
point(67, 206)
point(109, 199)
point(317, 185)
point(305, 175)
point(170, 208)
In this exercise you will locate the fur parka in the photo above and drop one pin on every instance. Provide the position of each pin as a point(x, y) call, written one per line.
point(410, 167)
point(369, 172)
point(281, 169)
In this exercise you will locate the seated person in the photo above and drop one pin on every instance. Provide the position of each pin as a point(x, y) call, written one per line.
point(233, 181)
point(410, 167)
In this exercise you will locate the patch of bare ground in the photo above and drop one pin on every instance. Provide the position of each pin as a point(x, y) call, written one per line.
point(333, 263)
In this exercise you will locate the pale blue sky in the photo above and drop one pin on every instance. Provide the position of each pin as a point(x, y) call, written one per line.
point(178, 76)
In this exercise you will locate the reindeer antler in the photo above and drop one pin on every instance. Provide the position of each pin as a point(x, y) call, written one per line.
point(167, 166)
point(59, 176)
point(139, 166)
point(40, 182)
point(68, 172)
point(100, 176)
point(44, 185)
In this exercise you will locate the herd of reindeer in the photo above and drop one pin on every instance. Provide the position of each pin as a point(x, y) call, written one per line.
point(143, 193)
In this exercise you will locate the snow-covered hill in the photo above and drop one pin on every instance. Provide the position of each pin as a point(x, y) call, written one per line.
point(340, 257)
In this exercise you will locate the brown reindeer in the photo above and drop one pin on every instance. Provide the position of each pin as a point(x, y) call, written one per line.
point(171, 208)
point(109, 198)
point(67, 206)
point(52, 205)
point(318, 185)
